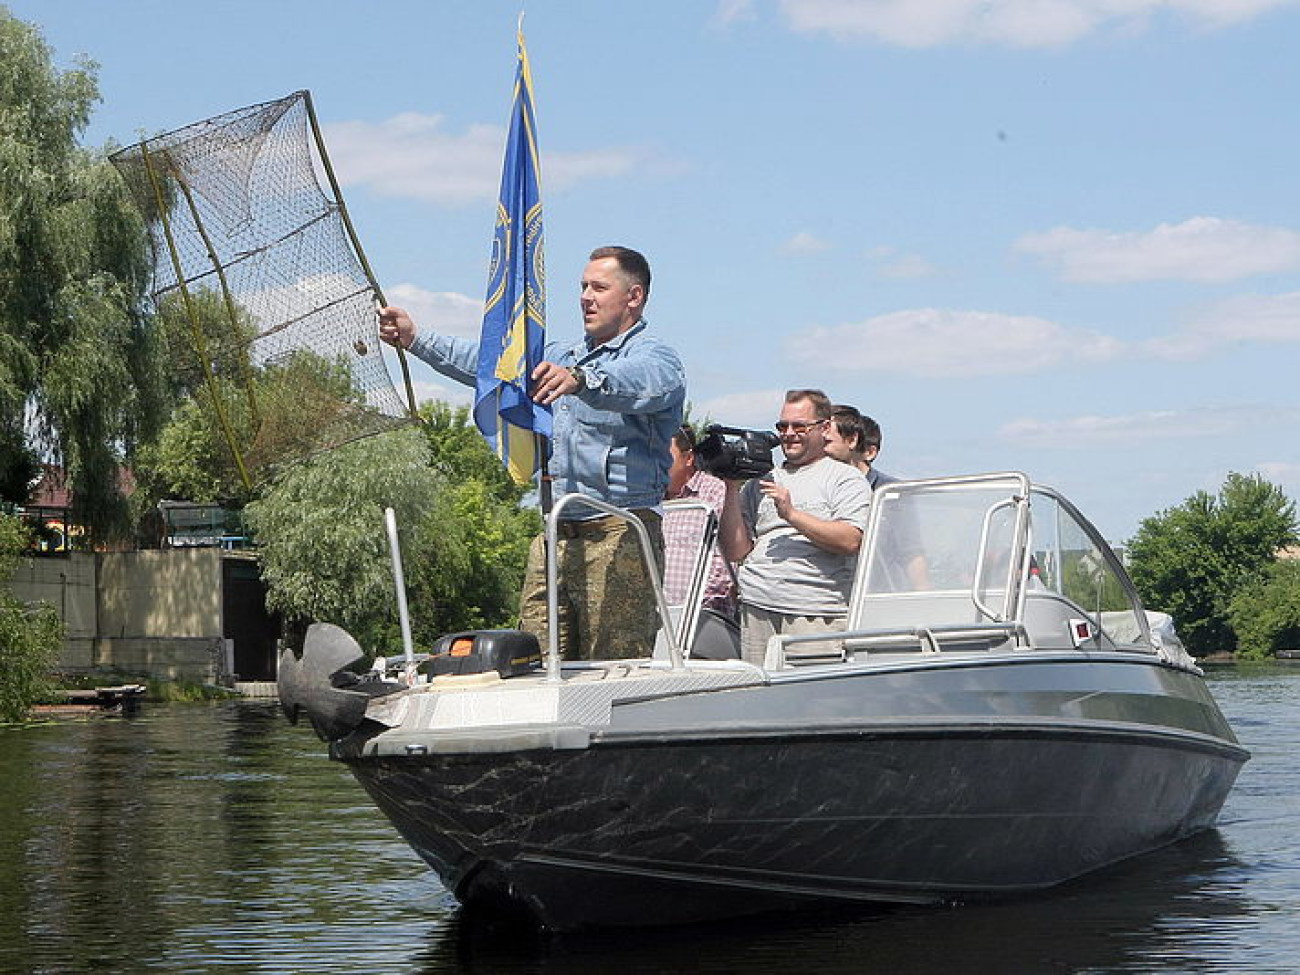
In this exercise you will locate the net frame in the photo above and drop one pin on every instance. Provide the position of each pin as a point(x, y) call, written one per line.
point(238, 219)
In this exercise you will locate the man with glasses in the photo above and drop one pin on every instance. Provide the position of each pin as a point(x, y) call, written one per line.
point(796, 532)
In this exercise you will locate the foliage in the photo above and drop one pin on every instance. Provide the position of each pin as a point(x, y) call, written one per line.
point(1086, 580)
point(463, 534)
point(192, 458)
point(475, 539)
point(1192, 559)
point(457, 448)
point(30, 636)
point(1265, 615)
point(320, 530)
point(75, 348)
point(226, 343)
point(474, 547)
point(19, 467)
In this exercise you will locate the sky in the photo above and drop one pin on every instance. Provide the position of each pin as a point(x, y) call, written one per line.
point(1054, 236)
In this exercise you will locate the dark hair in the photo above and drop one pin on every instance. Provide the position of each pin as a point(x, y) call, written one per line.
point(859, 429)
point(820, 401)
point(630, 262)
point(685, 438)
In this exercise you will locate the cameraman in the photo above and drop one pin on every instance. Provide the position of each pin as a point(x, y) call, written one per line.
point(683, 529)
point(797, 531)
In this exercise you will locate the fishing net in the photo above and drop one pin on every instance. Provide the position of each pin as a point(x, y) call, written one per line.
point(259, 276)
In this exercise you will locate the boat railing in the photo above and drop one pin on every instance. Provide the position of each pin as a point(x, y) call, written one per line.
point(688, 615)
point(553, 575)
point(844, 645)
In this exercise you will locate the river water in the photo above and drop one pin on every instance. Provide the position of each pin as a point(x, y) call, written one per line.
point(217, 838)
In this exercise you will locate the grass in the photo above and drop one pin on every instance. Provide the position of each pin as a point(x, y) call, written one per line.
point(158, 691)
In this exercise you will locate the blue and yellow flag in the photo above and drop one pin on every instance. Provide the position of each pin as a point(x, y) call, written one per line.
point(514, 318)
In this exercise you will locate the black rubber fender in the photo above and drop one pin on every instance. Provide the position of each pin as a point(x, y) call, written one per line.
point(310, 684)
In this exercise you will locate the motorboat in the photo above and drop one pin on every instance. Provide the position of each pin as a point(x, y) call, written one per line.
point(999, 716)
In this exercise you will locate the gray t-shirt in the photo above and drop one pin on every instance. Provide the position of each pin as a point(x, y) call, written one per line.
point(785, 572)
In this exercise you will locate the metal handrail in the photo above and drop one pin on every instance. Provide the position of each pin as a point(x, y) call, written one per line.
point(553, 579)
point(981, 558)
point(688, 625)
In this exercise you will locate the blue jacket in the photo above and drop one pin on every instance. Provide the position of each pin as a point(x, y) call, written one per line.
point(611, 438)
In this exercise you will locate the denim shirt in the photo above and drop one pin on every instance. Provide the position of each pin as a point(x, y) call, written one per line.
point(611, 438)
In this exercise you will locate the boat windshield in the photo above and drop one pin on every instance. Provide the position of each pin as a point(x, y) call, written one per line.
point(992, 549)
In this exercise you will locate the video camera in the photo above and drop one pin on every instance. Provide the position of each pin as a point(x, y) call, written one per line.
point(734, 454)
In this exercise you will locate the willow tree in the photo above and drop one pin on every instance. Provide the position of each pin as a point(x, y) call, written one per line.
point(30, 634)
point(79, 370)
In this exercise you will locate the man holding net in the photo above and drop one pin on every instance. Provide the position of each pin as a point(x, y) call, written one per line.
point(617, 397)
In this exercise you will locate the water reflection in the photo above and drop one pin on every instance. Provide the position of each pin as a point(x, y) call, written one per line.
point(1134, 918)
point(218, 838)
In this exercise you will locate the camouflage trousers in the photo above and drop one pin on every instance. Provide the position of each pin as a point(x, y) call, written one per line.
point(606, 600)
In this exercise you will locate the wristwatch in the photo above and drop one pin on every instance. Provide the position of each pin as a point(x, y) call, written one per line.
point(579, 377)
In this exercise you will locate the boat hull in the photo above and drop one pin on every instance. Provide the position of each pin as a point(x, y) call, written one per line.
point(651, 824)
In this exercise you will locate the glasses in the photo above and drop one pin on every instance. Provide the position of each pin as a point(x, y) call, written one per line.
point(796, 426)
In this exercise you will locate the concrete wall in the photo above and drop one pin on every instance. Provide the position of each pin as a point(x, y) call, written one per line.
point(206, 660)
point(153, 613)
point(164, 593)
point(67, 584)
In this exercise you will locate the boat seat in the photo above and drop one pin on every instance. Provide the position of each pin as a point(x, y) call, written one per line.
point(717, 638)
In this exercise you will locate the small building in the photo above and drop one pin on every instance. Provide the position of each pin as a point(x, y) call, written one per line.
point(191, 608)
point(179, 614)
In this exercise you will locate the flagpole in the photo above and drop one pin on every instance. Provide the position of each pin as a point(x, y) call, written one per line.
point(545, 482)
point(545, 494)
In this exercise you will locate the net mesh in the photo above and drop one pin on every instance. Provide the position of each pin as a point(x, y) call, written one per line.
point(256, 270)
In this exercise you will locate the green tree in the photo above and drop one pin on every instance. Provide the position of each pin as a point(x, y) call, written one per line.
point(1192, 559)
point(459, 449)
point(463, 533)
point(320, 532)
point(475, 539)
point(76, 351)
point(474, 548)
point(30, 636)
point(296, 398)
point(1265, 615)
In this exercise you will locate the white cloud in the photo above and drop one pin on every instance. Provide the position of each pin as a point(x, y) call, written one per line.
point(1112, 430)
point(804, 242)
point(453, 393)
point(905, 267)
point(1285, 473)
point(1261, 319)
point(443, 311)
point(1205, 249)
point(1135, 429)
point(414, 156)
point(932, 342)
point(730, 12)
point(755, 409)
point(1013, 23)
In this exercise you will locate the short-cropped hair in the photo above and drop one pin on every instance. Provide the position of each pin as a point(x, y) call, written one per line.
point(856, 427)
point(820, 401)
point(630, 262)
